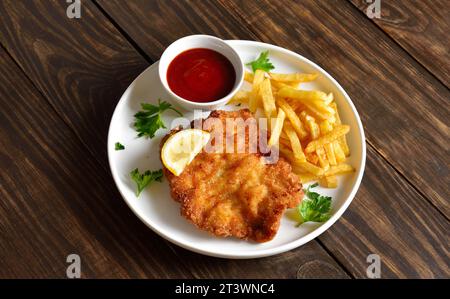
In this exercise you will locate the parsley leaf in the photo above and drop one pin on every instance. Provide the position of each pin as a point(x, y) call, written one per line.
point(118, 146)
point(148, 120)
point(314, 207)
point(142, 180)
point(262, 63)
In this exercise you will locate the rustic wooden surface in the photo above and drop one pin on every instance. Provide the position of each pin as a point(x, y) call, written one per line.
point(421, 28)
point(60, 81)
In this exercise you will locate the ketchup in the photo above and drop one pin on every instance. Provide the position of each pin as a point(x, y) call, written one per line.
point(201, 75)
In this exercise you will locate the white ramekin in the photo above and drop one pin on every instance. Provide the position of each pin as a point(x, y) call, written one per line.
point(200, 41)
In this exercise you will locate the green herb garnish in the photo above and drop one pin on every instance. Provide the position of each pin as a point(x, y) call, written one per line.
point(142, 180)
point(314, 207)
point(148, 121)
point(262, 63)
point(119, 146)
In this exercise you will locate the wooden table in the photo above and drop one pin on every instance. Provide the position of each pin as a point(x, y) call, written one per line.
point(61, 79)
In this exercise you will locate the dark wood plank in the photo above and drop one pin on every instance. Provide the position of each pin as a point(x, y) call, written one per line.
point(331, 49)
point(390, 219)
point(56, 199)
point(83, 80)
point(403, 108)
point(308, 261)
point(81, 65)
point(142, 20)
point(421, 28)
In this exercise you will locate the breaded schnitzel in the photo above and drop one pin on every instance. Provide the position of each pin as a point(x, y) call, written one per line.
point(235, 194)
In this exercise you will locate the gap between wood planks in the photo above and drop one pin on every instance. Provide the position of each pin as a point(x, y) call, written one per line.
point(403, 50)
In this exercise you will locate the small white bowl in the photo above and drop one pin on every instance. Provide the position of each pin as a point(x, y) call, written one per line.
point(200, 41)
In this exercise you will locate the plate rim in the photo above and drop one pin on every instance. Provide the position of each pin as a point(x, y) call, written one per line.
point(258, 253)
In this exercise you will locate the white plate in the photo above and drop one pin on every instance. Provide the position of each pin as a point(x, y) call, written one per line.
point(161, 213)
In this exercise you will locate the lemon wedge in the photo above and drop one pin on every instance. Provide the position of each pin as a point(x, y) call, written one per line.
point(181, 148)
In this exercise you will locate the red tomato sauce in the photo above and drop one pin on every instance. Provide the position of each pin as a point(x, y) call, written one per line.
point(201, 75)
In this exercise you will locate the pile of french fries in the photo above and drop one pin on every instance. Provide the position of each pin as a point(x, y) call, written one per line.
point(307, 128)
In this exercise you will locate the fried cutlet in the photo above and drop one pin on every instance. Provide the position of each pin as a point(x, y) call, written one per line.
point(235, 194)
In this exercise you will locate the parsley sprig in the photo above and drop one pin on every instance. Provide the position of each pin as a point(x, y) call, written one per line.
point(148, 120)
point(262, 63)
point(144, 179)
point(314, 207)
point(119, 146)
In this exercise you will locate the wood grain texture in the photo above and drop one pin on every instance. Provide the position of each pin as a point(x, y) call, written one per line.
point(421, 28)
point(404, 109)
point(391, 219)
point(348, 55)
point(307, 261)
point(82, 66)
point(57, 200)
point(142, 21)
point(75, 208)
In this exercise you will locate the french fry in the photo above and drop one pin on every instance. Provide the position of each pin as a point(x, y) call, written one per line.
point(286, 151)
point(284, 135)
point(253, 99)
point(278, 85)
point(265, 91)
point(286, 143)
point(328, 181)
point(323, 162)
point(342, 140)
point(303, 115)
point(248, 77)
point(240, 97)
point(338, 118)
point(313, 128)
point(307, 128)
point(276, 130)
point(311, 168)
point(296, 105)
point(313, 158)
point(312, 99)
point(306, 96)
point(295, 143)
point(325, 126)
point(293, 118)
point(339, 169)
point(310, 125)
point(338, 131)
point(308, 121)
point(288, 154)
point(329, 99)
point(319, 115)
point(329, 150)
point(298, 170)
point(295, 77)
point(338, 152)
point(306, 177)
